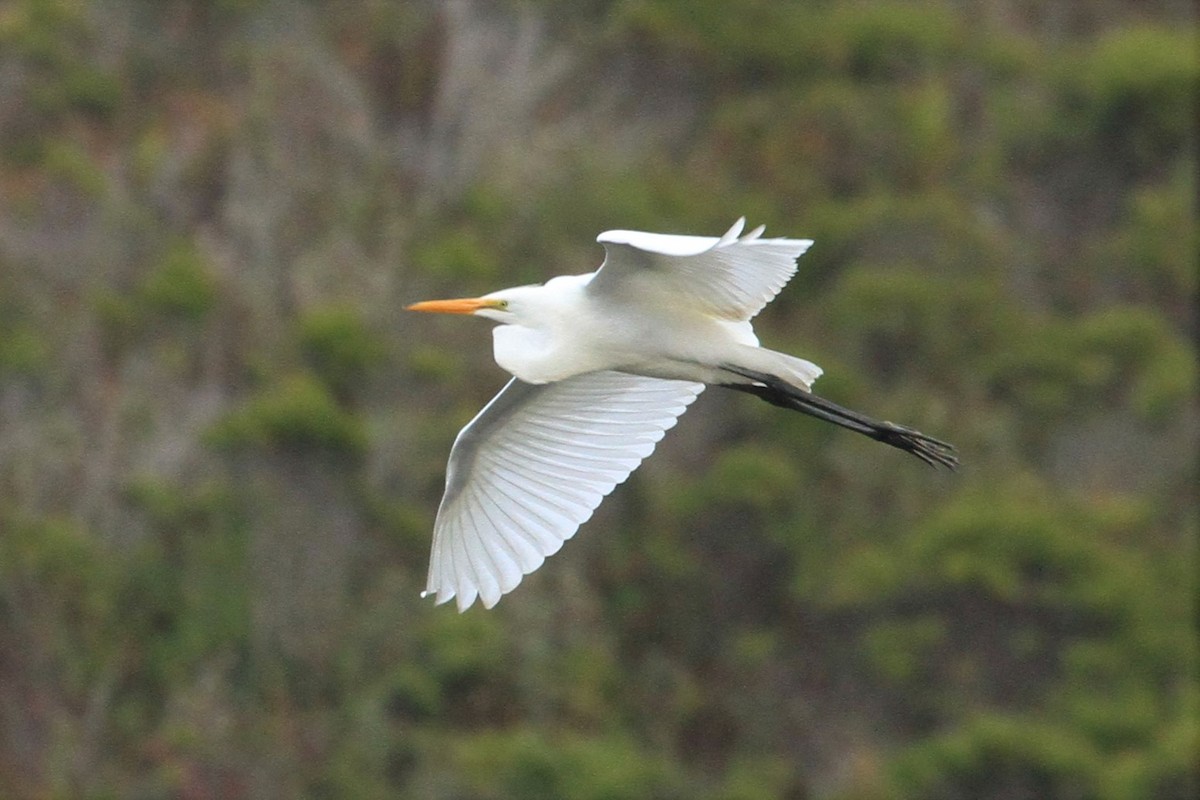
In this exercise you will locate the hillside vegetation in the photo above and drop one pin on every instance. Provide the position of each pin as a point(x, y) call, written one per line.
point(222, 443)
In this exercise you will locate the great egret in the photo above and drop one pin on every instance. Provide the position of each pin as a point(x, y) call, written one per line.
point(603, 366)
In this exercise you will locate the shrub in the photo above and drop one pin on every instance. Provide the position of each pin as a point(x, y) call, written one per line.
point(338, 347)
point(297, 413)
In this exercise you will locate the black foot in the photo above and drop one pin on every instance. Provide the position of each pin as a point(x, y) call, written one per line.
point(779, 392)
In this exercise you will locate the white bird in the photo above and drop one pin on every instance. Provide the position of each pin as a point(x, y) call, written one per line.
point(603, 366)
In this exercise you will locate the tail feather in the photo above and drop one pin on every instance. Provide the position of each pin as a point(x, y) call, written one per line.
point(781, 392)
point(760, 361)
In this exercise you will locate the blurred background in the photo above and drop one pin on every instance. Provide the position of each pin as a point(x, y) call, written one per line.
point(222, 443)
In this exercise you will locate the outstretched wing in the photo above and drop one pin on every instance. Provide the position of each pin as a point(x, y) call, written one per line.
point(532, 467)
point(730, 277)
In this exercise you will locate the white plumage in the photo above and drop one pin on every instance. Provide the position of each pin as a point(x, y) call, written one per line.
point(730, 278)
point(603, 366)
point(533, 466)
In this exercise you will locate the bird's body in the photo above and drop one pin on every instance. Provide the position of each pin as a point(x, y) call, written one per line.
point(603, 365)
point(579, 331)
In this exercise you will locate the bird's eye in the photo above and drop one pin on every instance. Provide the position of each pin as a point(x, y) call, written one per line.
point(502, 305)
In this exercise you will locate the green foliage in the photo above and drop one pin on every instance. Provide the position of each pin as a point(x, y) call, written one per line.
point(457, 655)
point(1004, 211)
point(1152, 253)
point(24, 350)
point(297, 413)
point(1010, 547)
point(40, 29)
point(887, 41)
point(118, 320)
point(1140, 88)
point(1126, 100)
point(900, 650)
point(163, 309)
point(1064, 600)
point(893, 317)
point(995, 757)
point(69, 163)
point(339, 348)
point(1123, 357)
point(458, 254)
point(854, 139)
point(887, 230)
point(430, 363)
point(57, 597)
point(49, 36)
point(176, 590)
point(1143, 353)
point(762, 40)
point(56, 560)
point(749, 477)
point(84, 90)
point(532, 765)
point(756, 778)
point(180, 286)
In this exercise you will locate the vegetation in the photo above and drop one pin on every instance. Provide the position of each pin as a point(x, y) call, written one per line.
point(222, 443)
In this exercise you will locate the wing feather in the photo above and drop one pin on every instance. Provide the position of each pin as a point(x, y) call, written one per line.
point(732, 277)
point(520, 549)
point(532, 467)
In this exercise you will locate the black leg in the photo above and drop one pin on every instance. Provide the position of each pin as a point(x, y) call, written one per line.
point(780, 393)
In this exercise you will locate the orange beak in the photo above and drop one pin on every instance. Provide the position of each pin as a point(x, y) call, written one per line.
point(465, 305)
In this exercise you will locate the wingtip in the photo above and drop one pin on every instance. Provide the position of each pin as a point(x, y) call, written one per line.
point(440, 598)
point(733, 233)
point(464, 600)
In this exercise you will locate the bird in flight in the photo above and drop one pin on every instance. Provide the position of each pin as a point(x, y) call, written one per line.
point(603, 365)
